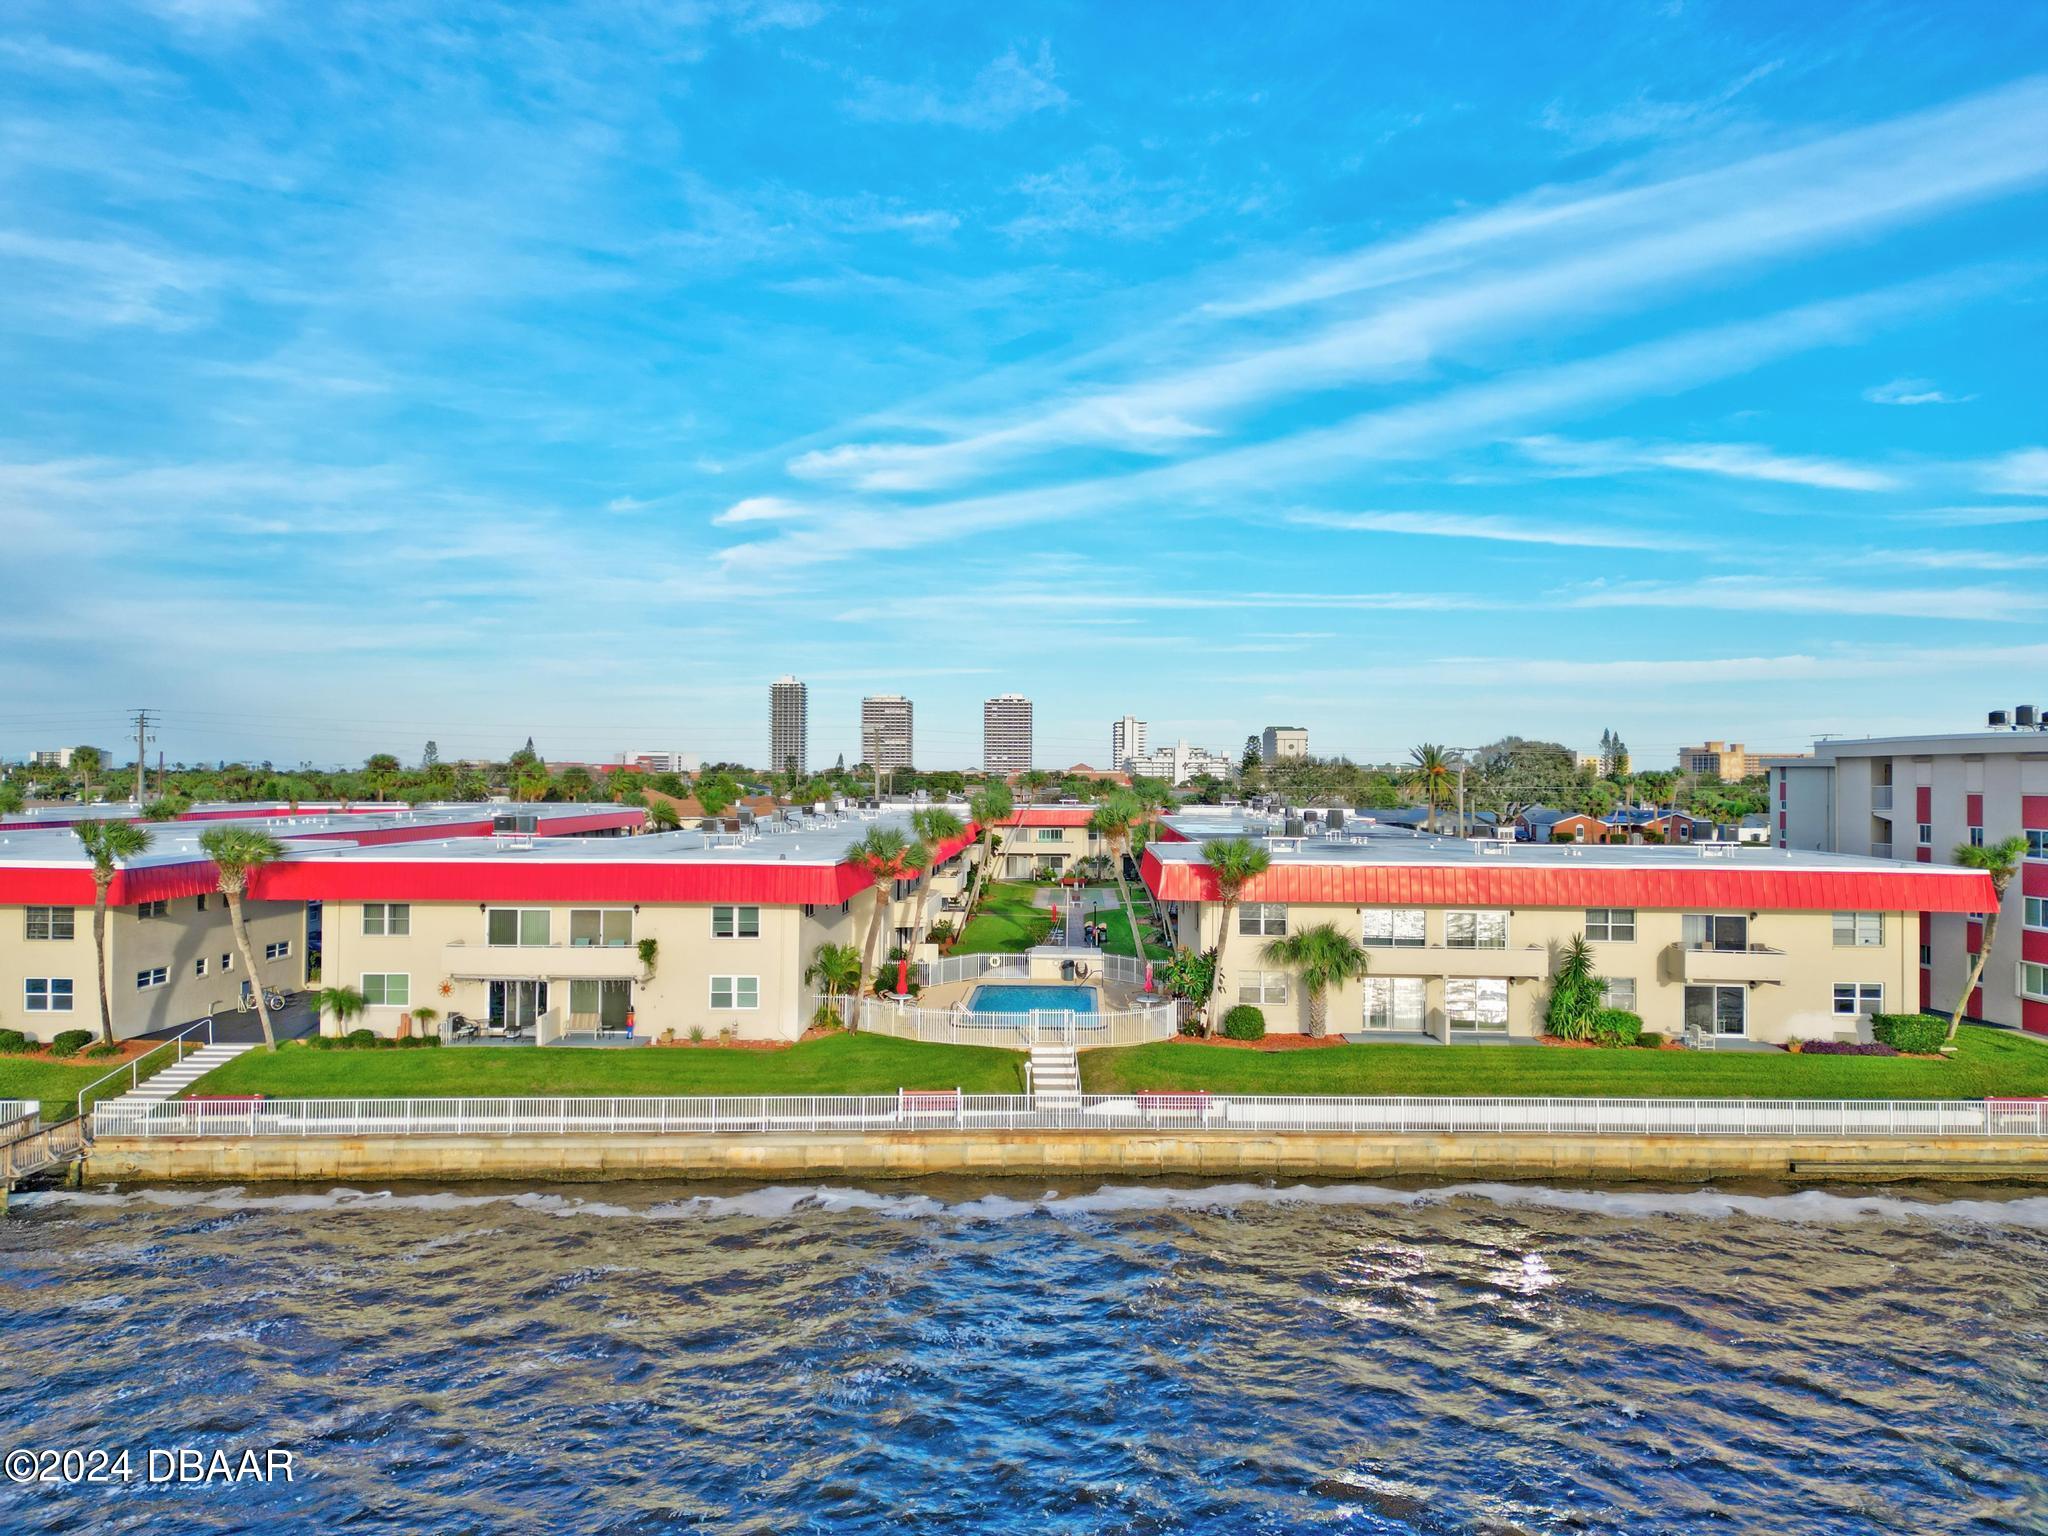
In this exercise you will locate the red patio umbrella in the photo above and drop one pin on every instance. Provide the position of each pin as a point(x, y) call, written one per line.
point(903, 976)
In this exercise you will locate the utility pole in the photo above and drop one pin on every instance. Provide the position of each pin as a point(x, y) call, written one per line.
point(142, 725)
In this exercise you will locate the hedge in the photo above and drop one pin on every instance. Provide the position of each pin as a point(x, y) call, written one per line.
point(1244, 1022)
point(71, 1042)
point(14, 1043)
point(1617, 1026)
point(1921, 1034)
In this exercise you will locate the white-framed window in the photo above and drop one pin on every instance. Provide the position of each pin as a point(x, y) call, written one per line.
point(387, 919)
point(199, 966)
point(155, 976)
point(1714, 930)
point(46, 994)
point(2034, 981)
point(1396, 1003)
point(1611, 925)
point(1476, 930)
point(2037, 842)
point(1052, 834)
point(2036, 912)
point(227, 961)
point(735, 992)
point(1926, 954)
point(1477, 1003)
point(1268, 918)
point(277, 951)
point(516, 927)
point(1926, 834)
point(1717, 1010)
point(735, 922)
point(152, 909)
point(387, 989)
point(1392, 927)
point(1976, 837)
point(1621, 992)
point(1857, 997)
point(601, 928)
point(50, 922)
point(1262, 987)
point(1859, 930)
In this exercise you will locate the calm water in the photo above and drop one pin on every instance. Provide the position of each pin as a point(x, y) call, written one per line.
point(649, 1358)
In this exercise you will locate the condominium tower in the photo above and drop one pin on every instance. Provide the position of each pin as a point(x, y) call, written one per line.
point(1006, 734)
point(1126, 741)
point(885, 733)
point(789, 726)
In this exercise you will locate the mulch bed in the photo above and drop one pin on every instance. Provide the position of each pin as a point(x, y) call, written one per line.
point(128, 1051)
point(1270, 1043)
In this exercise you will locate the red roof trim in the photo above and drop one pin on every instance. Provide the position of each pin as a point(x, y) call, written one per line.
point(1050, 816)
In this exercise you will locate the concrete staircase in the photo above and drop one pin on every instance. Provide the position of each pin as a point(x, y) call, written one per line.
point(1056, 1076)
point(176, 1078)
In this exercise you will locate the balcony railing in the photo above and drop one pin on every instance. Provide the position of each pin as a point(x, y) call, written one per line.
point(1706, 962)
point(540, 962)
point(1880, 797)
point(1460, 960)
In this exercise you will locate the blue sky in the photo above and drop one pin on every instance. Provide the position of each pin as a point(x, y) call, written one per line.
point(377, 371)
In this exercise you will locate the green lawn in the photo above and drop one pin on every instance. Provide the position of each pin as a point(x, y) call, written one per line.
point(1006, 922)
point(55, 1083)
point(1118, 940)
point(831, 1064)
point(1987, 1062)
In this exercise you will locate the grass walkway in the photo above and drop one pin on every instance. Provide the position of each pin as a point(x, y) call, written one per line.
point(830, 1064)
point(1006, 923)
point(55, 1083)
point(1118, 939)
point(1988, 1062)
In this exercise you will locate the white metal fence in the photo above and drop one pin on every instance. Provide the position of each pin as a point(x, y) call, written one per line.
point(1016, 1031)
point(1046, 963)
point(2010, 1119)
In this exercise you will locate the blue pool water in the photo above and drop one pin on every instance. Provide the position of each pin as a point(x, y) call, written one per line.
point(1025, 999)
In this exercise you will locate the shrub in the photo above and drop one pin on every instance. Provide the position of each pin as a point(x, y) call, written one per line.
point(696, 1032)
point(320, 1043)
point(1617, 1026)
point(415, 1042)
point(1244, 1022)
point(358, 1040)
point(1920, 1033)
point(70, 1042)
point(14, 1043)
point(383, 1043)
point(1845, 1048)
point(1650, 1040)
point(103, 1049)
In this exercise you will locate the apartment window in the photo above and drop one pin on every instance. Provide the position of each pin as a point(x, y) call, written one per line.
point(1478, 1003)
point(1926, 833)
point(1621, 992)
point(1926, 954)
point(387, 919)
point(1858, 997)
point(1859, 930)
point(46, 994)
point(2034, 981)
point(735, 992)
point(1262, 917)
point(1976, 837)
point(199, 966)
point(516, 927)
point(387, 989)
point(1476, 930)
point(199, 905)
point(1395, 1003)
point(1717, 1010)
point(1392, 927)
point(2037, 912)
point(1612, 925)
point(52, 922)
point(152, 909)
point(1052, 834)
point(227, 961)
point(601, 928)
point(735, 922)
point(1714, 930)
point(155, 976)
point(2037, 842)
point(278, 951)
point(1262, 987)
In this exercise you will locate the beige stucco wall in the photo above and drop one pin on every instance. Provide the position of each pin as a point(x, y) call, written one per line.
point(178, 941)
point(1026, 849)
point(1798, 1006)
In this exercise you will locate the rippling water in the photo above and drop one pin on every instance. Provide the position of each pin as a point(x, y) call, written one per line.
point(978, 1358)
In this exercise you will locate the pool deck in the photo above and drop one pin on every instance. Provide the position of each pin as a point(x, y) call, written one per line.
point(1109, 996)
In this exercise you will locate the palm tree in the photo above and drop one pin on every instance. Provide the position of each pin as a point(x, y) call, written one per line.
point(990, 805)
point(1112, 822)
point(835, 969)
point(661, 815)
point(107, 844)
point(885, 856)
point(344, 1003)
point(1323, 956)
point(934, 824)
point(1429, 774)
point(236, 853)
point(381, 769)
point(1235, 862)
point(2001, 861)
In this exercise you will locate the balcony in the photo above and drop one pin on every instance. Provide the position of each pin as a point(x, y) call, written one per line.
point(1881, 798)
point(540, 962)
point(1880, 850)
point(1441, 960)
point(1704, 964)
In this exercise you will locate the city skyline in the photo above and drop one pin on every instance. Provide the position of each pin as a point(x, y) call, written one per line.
point(1296, 393)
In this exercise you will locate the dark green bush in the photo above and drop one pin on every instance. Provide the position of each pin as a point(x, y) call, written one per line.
point(103, 1049)
point(1920, 1033)
point(1244, 1022)
point(14, 1043)
point(359, 1040)
point(1650, 1040)
point(319, 1043)
point(1617, 1026)
point(70, 1042)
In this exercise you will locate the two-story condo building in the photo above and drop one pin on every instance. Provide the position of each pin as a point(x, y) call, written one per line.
point(1721, 943)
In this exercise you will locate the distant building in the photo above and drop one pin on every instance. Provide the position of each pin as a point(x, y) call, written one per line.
point(1728, 761)
point(1180, 762)
point(1126, 741)
point(662, 762)
point(1006, 734)
point(55, 757)
point(885, 731)
point(789, 726)
point(1283, 743)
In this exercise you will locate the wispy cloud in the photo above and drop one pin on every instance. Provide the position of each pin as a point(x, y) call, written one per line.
point(1977, 517)
point(1740, 461)
point(1008, 88)
point(1645, 116)
point(1912, 392)
point(1751, 594)
point(2023, 472)
point(39, 53)
point(763, 509)
point(1506, 530)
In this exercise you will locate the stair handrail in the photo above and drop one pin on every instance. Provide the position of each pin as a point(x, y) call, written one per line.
point(133, 1069)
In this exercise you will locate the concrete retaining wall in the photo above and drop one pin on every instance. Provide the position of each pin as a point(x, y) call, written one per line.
point(1051, 1153)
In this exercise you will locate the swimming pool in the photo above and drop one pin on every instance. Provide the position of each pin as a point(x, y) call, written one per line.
point(1018, 998)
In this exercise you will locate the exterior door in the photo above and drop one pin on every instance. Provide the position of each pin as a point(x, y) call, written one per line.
point(518, 1005)
point(1717, 1010)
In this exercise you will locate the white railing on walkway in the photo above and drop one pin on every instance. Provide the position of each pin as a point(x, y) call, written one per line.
point(193, 1037)
point(2006, 1119)
point(1017, 1031)
point(1045, 963)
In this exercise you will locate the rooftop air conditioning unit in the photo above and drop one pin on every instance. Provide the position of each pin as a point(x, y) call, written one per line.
point(1997, 720)
point(1293, 827)
point(1336, 817)
point(2026, 717)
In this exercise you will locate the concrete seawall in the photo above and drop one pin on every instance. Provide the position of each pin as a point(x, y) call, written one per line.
point(1664, 1159)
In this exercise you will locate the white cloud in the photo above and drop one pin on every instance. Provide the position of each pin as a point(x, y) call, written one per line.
point(2023, 472)
point(1007, 88)
point(1509, 530)
point(762, 509)
point(1754, 594)
point(1741, 461)
point(40, 54)
point(1912, 392)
